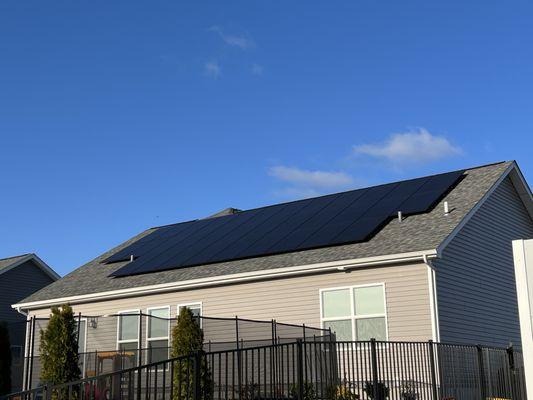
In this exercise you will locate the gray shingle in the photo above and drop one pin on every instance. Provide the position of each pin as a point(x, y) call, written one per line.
point(415, 233)
point(7, 262)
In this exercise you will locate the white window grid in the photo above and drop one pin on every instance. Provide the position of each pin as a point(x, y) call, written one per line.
point(353, 317)
point(119, 320)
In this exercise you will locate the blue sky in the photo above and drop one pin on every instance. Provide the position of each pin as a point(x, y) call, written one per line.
point(116, 116)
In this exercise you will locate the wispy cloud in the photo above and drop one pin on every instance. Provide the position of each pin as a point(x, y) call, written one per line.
point(413, 147)
point(257, 69)
point(243, 42)
point(212, 69)
point(306, 183)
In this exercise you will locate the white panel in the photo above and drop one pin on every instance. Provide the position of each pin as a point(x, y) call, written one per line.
point(523, 260)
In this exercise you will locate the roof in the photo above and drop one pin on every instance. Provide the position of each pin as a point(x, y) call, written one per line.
point(415, 233)
point(9, 263)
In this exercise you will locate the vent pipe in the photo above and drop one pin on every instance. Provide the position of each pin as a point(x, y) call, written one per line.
point(446, 208)
point(400, 216)
point(131, 258)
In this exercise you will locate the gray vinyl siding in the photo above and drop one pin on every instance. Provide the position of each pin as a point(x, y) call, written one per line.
point(476, 290)
point(18, 283)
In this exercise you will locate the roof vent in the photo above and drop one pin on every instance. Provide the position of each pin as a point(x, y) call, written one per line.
point(224, 212)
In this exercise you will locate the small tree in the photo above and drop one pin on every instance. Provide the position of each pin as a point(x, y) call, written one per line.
point(187, 340)
point(59, 348)
point(5, 360)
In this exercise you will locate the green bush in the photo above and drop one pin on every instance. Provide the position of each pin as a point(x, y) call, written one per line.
point(188, 339)
point(380, 392)
point(341, 392)
point(309, 392)
point(59, 348)
point(5, 360)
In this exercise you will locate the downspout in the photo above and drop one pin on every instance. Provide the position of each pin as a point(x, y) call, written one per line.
point(433, 305)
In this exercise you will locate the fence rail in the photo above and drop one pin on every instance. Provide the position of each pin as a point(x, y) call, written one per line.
point(311, 370)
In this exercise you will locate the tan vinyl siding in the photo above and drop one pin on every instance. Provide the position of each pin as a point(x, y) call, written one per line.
point(292, 300)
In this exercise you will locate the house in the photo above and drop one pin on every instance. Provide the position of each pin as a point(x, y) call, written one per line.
point(20, 276)
point(429, 258)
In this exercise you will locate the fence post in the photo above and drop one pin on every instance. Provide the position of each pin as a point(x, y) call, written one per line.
point(197, 378)
point(375, 380)
point(511, 361)
point(482, 383)
point(300, 368)
point(139, 358)
point(239, 363)
point(431, 350)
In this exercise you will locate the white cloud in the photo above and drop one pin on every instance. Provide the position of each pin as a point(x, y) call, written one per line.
point(212, 69)
point(310, 182)
point(257, 69)
point(242, 42)
point(416, 146)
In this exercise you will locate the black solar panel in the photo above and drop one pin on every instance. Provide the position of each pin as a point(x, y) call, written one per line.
point(331, 220)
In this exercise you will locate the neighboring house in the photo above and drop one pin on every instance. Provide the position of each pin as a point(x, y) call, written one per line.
point(443, 271)
point(20, 276)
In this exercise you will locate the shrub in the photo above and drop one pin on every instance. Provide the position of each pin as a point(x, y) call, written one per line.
point(309, 392)
point(408, 391)
point(187, 339)
point(380, 392)
point(5, 360)
point(341, 392)
point(59, 348)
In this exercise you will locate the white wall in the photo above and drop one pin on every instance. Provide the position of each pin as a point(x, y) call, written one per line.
point(523, 259)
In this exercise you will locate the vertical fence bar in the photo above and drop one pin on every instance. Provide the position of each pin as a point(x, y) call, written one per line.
point(197, 365)
point(374, 361)
point(432, 364)
point(300, 368)
point(481, 369)
point(139, 361)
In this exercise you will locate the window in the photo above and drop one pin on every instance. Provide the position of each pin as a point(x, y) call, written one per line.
point(196, 309)
point(157, 334)
point(355, 313)
point(128, 331)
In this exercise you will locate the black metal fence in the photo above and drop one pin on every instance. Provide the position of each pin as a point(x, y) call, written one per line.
point(100, 351)
point(311, 370)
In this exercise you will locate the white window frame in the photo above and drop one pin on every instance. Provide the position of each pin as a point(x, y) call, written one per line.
point(191, 303)
point(149, 339)
point(138, 341)
point(353, 317)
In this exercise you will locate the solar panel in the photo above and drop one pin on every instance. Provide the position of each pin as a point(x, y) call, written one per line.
point(348, 217)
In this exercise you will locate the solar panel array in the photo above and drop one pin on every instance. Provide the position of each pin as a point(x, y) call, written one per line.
point(336, 219)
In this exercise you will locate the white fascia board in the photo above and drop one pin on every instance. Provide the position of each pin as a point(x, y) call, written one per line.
point(333, 266)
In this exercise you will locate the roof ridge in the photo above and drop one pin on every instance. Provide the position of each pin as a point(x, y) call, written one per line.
point(19, 256)
point(341, 192)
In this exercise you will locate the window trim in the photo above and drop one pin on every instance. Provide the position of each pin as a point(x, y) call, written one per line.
point(353, 317)
point(150, 339)
point(192, 303)
point(138, 340)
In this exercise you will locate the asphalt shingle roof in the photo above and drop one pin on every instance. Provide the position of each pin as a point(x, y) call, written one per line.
point(9, 261)
point(415, 233)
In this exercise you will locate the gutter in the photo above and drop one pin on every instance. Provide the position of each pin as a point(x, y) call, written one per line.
point(334, 266)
